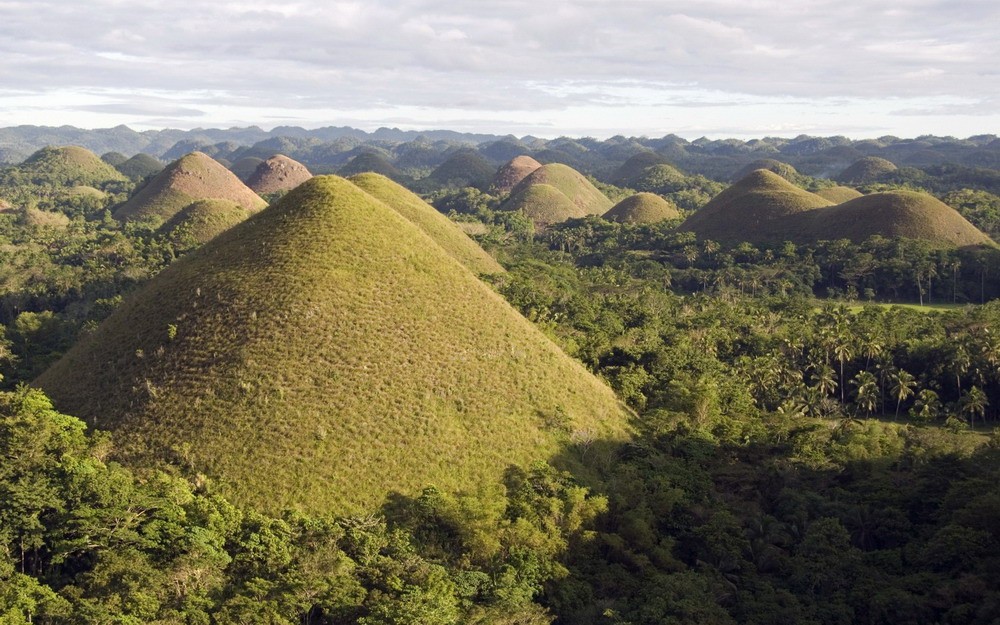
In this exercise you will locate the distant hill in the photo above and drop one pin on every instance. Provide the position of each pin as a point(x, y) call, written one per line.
point(186, 180)
point(324, 354)
point(904, 214)
point(68, 166)
point(750, 206)
point(784, 170)
point(764, 208)
point(201, 221)
point(866, 170)
point(587, 198)
point(424, 216)
point(632, 169)
point(139, 166)
point(370, 162)
point(511, 173)
point(245, 167)
point(642, 208)
point(465, 168)
point(276, 174)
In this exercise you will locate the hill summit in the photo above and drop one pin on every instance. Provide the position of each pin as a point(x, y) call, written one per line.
point(325, 353)
point(276, 174)
point(513, 172)
point(193, 177)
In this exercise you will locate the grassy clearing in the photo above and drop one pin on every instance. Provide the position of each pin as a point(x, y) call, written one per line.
point(325, 353)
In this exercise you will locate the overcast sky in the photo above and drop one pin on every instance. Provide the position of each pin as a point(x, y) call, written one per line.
point(721, 68)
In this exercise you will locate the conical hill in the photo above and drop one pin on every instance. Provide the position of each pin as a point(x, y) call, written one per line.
point(759, 199)
point(513, 172)
point(906, 214)
point(68, 165)
point(193, 177)
point(570, 183)
point(325, 353)
point(866, 170)
point(435, 225)
point(642, 208)
point(543, 204)
point(838, 194)
point(276, 174)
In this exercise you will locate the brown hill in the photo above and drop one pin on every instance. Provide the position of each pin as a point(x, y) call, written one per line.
point(516, 170)
point(571, 183)
point(276, 174)
point(326, 353)
point(642, 208)
point(751, 206)
point(188, 179)
point(866, 170)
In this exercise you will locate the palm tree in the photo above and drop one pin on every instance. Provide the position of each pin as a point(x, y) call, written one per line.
point(974, 402)
point(903, 384)
point(843, 351)
point(826, 380)
point(866, 395)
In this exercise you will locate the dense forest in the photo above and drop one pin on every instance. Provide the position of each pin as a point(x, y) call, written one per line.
point(815, 438)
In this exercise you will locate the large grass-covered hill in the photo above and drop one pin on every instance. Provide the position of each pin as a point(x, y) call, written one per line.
point(190, 178)
point(513, 172)
point(326, 353)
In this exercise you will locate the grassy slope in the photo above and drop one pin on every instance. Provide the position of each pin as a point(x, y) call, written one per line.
point(572, 184)
point(642, 208)
point(784, 170)
point(140, 166)
point(838, 194)
point(193, 177)
point(633, 168)
point(328, 352)
point(427, 218)
point(201, 221)
point(543, 204)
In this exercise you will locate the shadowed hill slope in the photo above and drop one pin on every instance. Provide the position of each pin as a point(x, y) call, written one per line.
point(642, 208)
point(325, 353)
point(140, 166)
point(245, 167)
point(276, 174)
point(435, 225)
point(570, 183)
point(511, 173)
point(186, 180)
point(866, 170)
point(201, 221)
point(633, 168)
point(757, 200)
